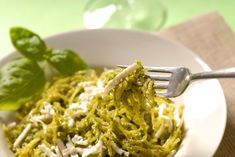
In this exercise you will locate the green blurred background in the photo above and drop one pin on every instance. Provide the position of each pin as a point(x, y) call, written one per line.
point(48, 17)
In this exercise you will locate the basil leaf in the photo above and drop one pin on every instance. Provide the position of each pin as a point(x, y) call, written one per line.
point(20, 80)
point(28, 43)
point(66, 61)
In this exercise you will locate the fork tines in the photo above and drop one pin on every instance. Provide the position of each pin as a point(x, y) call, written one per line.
point(158, 77)
point(160, 69)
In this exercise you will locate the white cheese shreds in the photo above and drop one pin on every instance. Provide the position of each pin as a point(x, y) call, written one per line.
point(168, 121)
point(61, 147)
point(79, 140)
point(162, 108)
point(159, 132)
point(100, 84)
point(172, 153)
point(58, 152)
point(11, 125)
point(77, 110)
point(48, 109)
point(119, 150)
point(47, 151)
point(93, 150)
point(162, 127)
point(85, 84)
point(89, 92)
point(47, 112)
point(71, 150)
point(70, 122)
point(112, 83)
point(37, 118)
point(69, 143)
point(74, 106)
point(53, 147)
point(68, 151)
point(177, 117)
point(44, 126)
point(22, 135)
point(83, 106)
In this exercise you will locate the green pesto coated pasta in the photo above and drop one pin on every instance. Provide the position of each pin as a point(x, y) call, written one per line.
point(131, 120)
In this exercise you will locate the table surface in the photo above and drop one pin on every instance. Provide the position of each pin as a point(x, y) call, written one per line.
point(51, 17)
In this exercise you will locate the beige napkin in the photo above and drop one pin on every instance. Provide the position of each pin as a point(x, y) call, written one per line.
point(210, 37)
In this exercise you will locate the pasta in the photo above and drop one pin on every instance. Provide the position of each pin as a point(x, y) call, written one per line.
point(73, 117)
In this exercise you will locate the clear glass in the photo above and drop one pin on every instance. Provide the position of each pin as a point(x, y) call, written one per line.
point(148, 15)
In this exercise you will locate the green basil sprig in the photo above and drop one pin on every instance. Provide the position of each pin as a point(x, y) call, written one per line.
point(33, 47)
point(28, 43)
point(66, 61)
point(20, 80)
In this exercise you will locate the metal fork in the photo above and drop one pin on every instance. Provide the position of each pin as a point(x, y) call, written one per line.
point(179, 78)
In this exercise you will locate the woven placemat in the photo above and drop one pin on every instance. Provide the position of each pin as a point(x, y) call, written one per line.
point(211, 39)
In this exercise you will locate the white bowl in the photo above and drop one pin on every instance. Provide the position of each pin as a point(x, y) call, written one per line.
point(205, 107)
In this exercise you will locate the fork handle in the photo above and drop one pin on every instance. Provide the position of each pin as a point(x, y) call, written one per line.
point(223, 73)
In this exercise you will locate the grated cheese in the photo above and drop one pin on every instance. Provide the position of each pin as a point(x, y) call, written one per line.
point(159, 132)
point(112, 83)
point(119, 150)
point(47, 151)
point(47, 112)
point(58, 152)
point(85, 84)
point(69, 143)
point(79, 140)
point(69, 151)
point(82, 106)
point(11, 125)
point(100, 84)
point(162, 108)
point(73, 106)
point(172, 153)
point(168, 121)
point(22, 135)
point(71, 148)
point(93, 150)
point(89, 92)
point(44, 126)
point(71, 121)
point(177, 117)
point(61, 147)
point(48, 109)
point(37, 118)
